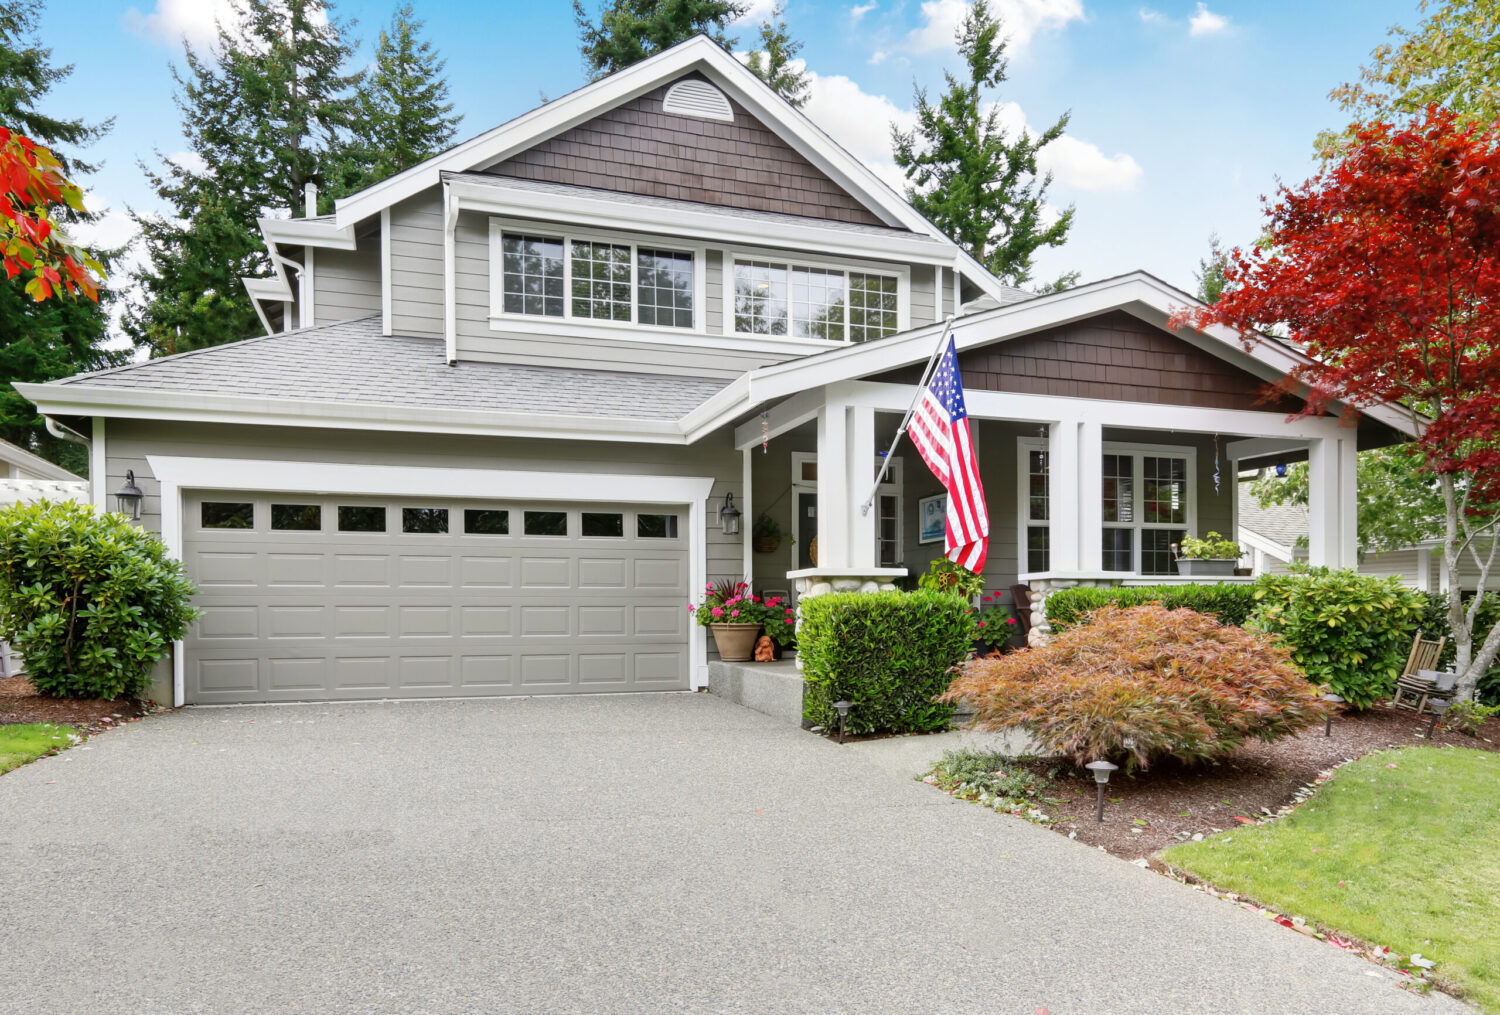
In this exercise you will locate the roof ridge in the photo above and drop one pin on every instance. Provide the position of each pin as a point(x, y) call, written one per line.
point(238, 343)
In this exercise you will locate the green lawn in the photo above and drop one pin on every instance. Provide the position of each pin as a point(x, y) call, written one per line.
point(1401, 848)
point(29, 741)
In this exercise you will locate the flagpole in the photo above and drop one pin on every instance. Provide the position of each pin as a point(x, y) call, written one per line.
point(885, 462)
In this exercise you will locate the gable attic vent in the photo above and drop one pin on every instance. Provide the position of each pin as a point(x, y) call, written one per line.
point(698, 98)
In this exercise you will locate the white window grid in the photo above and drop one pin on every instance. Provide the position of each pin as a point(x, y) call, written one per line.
point(806, 300)
point(873, 303)
point(664, 287)
point(603, 280)
point(529, 282)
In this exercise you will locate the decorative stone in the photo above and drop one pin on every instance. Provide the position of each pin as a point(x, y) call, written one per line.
point(888, 587)
point(846, 585)
point(818, 589)
point(870, 586)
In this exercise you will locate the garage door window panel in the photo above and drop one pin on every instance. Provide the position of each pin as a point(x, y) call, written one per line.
point(486, 522)
point(360, 518)
point(546, 523)
point(424, 521)
point(603, 525)
point(218, 514)
point(297, 517)
point(655, 526)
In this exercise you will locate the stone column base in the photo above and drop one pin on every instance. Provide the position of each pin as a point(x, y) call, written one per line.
point(1041, 631)
point(822, 581)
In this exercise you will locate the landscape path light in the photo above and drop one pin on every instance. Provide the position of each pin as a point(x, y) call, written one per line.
point(1332, 699)
point(1101, 770)
point(843, 710)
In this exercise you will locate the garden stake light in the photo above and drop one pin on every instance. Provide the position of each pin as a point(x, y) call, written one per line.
point(1332, 699)
point(843, 707)
point(1101, 770)
point(1438, 706)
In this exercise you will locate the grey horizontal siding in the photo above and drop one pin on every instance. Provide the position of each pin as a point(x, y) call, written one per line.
point(346, 283)
point(130, 441)
point(417, 265)
point(713, 300)
point(923, 310)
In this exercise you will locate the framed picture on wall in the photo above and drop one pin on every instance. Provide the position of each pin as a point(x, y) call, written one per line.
point(932, 518)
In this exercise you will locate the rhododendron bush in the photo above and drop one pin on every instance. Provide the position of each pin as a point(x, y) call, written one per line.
point(1139, 684)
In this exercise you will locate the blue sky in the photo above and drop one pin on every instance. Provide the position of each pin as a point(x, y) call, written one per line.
point(1183, 114)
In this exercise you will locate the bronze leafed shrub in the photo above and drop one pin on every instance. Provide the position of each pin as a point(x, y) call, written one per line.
point(1138, 684)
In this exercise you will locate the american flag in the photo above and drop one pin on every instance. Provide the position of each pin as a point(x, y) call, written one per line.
point(940, 431)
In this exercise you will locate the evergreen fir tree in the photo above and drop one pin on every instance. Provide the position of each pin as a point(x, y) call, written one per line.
point(1210, 273)
point(772, 63)
point(403, 115)
point(62, 336)
point(628, 31)
point(266, 112)
point(971, 177)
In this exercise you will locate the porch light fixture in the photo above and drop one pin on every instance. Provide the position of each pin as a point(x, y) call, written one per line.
point(843, 710)
point(128, 497)
point(729, 516)
point(1101, 770)
point(1332, 699)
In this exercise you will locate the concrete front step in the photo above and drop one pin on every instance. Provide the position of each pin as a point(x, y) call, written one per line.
point(774, 688)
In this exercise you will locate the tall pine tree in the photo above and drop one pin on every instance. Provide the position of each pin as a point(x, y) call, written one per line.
point(628, 31)
point(62, 336)
point(402, 112)
point(974, 179)
point(772, 62)
point(269, 110)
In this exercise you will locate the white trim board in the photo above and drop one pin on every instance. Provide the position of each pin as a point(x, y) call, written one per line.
point(176, 474)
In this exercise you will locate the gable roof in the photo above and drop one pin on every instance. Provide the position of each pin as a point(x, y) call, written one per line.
point(1282, 525)
point(33, 465)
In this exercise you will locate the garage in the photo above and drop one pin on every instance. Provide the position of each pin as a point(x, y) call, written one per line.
point(309, 597)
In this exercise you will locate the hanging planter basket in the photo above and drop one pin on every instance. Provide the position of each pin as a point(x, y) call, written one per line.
point(766, 544)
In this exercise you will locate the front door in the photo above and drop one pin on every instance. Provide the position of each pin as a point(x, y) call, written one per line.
point(807, 528)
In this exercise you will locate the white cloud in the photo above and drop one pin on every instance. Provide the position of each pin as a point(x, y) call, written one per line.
point(173, 20)
point(191, 161)
point(1020, 20)
point(860, 10)
point(861, 122)
point(757, 11)
point(1081, 165)
point(1206, 22)
point(878, 57)
point(1152, 17)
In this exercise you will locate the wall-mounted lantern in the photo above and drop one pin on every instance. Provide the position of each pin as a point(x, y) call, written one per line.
point(128, 497)
point(729, 516)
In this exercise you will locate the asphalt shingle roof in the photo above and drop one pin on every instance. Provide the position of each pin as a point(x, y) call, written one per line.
point(1282, 524)
point(352, 363)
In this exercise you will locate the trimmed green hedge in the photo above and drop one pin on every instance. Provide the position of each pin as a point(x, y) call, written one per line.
point(891, 653)
point(1232, 603)
point(1348, 631)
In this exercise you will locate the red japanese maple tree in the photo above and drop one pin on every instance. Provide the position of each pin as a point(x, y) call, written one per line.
point(31, 184)
point(1385, 268)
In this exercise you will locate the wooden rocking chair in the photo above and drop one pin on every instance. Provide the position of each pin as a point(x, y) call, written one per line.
point(1413, 681)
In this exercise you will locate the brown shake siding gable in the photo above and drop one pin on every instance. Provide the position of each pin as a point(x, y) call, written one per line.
point(637, 148)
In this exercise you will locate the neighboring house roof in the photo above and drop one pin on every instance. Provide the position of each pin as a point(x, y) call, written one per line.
point(318, 372)
point(1279, 527)
point(32, 466)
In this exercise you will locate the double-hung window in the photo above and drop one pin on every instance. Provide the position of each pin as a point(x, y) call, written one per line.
point(1146, 506)
point(590, 279)
point(802, 301)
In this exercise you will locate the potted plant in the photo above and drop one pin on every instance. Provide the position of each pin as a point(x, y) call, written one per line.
point(996, 627)
point(729, 611)
point(766, 536)
point(946, 576)
point(1213, 556)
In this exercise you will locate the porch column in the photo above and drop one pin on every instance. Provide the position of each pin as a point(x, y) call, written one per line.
point(1063, 494)
point(1090, 497)
point(1331, 502)
point(860, 427)
point(833, 486)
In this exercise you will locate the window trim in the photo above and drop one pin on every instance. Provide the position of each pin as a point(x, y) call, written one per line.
point(1136, 451)
point(790, 260)
point(501, 320)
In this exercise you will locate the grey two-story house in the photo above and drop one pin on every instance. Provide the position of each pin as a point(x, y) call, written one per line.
point(509, 401)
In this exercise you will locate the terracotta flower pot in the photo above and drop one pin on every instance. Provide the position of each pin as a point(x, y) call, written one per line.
point(735, 642)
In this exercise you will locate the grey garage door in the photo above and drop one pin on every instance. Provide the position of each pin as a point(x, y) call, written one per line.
point(318, 598)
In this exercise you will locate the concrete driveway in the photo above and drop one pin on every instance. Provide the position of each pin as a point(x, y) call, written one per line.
point(668, 853)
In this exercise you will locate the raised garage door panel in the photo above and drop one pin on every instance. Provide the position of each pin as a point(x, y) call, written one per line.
point(297, 605)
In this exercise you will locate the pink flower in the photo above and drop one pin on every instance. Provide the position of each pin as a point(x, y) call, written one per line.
point(717, 612)
point(734, 613)
point(788, 620)
point(1010, 620)
point(981, 623)
point(691, 607)
point(790, 611)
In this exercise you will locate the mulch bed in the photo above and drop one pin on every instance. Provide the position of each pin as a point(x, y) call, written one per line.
point(1173, 802)
point(20, 703)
